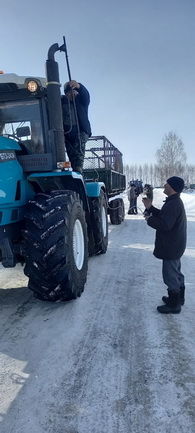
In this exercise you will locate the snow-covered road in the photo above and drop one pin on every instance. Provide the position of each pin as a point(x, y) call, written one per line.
point(107, 362)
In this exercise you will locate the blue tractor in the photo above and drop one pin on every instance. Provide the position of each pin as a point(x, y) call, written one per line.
point(51, 219)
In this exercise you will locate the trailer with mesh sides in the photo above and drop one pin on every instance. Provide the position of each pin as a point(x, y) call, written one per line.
point(103, 163)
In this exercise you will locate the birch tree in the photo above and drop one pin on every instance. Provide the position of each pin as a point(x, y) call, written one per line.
point(171, 157)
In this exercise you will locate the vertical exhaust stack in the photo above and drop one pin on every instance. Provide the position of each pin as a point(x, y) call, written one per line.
point(54, 106)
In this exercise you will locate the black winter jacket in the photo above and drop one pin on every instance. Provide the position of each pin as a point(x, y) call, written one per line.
point(82, 101)
point(170, 224)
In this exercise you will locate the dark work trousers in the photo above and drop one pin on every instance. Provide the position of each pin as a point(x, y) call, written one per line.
point(76, 149)
point(172, 275)
point(131, 204)
point(135, 205)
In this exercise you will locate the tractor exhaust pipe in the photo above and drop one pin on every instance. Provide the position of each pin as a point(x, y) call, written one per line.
point(54, 107)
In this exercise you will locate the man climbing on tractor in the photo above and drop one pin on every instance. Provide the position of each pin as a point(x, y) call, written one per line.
point(77, 129)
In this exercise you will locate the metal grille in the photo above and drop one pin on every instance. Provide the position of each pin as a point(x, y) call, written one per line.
point(101, 153)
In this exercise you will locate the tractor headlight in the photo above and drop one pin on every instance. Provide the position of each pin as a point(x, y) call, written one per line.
point(32, 86)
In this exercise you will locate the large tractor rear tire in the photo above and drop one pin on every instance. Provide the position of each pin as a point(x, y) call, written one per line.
point(99, 222)
point(117, 211)
point(56, 246)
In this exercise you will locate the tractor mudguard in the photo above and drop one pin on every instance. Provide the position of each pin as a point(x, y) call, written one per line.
point(67, 180)
point(94, 188)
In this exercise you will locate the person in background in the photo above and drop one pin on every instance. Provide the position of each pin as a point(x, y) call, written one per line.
point(137, 192)
point(170, 243)
point(132, 198)
point(75, 103)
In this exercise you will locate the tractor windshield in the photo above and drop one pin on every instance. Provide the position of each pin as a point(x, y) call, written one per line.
point(21, 120)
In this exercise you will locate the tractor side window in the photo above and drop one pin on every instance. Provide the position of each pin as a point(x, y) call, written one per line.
point(20, 131)
point(22, 121)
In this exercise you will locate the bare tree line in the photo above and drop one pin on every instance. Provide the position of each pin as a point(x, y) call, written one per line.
point(171, 160)
point(152, 174)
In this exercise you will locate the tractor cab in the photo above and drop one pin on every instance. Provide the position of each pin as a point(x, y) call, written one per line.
point(31, 114)
point(24, 116)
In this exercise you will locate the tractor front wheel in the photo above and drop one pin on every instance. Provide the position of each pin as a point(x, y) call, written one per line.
point(56, 246)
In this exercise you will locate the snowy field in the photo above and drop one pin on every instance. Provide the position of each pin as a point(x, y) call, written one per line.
point(107, 362)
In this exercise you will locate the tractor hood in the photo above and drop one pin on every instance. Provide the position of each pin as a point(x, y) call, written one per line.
point(8, 144)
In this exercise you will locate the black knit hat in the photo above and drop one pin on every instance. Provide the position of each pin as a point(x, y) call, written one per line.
point(177, 183)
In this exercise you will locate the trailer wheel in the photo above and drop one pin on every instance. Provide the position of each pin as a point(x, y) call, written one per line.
point(117, 211)
point(56, 246)
point(99, 219)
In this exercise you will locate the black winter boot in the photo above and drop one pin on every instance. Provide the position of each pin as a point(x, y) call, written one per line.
point(174, 305)
point(166, 299)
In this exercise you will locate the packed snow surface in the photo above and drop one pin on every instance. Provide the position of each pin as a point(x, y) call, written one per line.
point(107, 362)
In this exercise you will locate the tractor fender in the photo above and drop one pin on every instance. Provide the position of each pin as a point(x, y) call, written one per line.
point(67, 180)
point(94, 188)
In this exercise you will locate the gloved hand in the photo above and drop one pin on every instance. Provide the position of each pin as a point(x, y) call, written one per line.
point(71, 85)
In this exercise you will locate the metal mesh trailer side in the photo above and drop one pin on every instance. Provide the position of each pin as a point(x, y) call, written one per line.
point(103, 163)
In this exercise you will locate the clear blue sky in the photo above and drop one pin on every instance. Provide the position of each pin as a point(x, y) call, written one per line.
point(136, 57)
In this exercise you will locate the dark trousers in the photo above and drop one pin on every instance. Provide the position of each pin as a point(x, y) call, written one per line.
point(76, 149)
point(133, 205)
point(172, 275)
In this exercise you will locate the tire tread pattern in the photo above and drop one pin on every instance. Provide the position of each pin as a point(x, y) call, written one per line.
point(50, 263)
